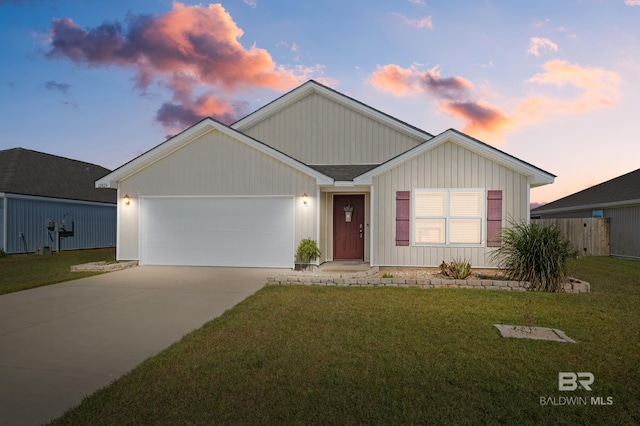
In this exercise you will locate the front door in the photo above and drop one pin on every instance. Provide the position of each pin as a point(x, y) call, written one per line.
point(348, 227)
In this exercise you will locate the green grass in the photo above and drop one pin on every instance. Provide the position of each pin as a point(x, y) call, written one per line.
point(321, 355)
point(21, 272)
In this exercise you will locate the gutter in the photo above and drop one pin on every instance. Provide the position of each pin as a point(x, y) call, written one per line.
point(612, 204)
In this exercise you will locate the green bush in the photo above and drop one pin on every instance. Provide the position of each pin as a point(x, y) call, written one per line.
point(308, 251)
point(456, 269)
point(3, 254)
point(535, 253)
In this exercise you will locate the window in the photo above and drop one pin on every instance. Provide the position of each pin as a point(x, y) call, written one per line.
point(448, 216)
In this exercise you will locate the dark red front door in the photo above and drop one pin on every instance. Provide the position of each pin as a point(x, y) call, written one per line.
point(348, 236)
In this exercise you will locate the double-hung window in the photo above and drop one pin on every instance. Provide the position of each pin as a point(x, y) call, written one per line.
point(448, 216)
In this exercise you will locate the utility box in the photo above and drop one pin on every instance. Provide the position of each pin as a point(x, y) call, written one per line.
point(43, 250)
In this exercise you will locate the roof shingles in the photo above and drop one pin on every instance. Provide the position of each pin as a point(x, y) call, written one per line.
point(27, 172)
point(622, 188)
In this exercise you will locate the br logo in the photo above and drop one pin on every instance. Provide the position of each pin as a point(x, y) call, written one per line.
point(573, 381)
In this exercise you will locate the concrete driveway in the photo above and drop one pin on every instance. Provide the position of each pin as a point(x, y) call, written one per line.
point(62, 342)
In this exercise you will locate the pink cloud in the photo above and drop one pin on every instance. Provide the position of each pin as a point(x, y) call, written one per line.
point(425, 22)
point(457, 97)
point(536, 44)
point(186, 49)
point(411, 81)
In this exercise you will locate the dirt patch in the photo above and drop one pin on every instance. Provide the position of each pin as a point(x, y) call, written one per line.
point(104, 266)
point(418, 273)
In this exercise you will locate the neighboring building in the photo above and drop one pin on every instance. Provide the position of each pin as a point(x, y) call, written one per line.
point(317, 164)
point(40, 193)
point(617, 199)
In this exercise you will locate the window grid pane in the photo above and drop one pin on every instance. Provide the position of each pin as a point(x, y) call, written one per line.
point(448, 217)
point(430, 231)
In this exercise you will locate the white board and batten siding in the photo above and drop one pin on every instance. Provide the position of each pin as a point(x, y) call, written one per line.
point(216, 166)
point(319, 130)
point(446, 166)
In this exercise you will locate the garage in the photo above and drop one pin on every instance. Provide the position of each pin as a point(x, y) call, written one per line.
point(218, 231)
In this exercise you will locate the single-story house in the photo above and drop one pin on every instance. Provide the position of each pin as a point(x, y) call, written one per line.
point(43, 197)
point(617, 199)
point(317, 164)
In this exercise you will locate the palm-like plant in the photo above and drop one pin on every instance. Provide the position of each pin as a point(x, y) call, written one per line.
point(534, 253)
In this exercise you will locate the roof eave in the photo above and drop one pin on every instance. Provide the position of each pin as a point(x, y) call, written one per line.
point(312, 86)
point(206, 125)
point(538, 177)
point(607, 205)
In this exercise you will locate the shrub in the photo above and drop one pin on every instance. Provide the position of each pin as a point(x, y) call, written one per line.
point(535, 253)
point(387, 275)
point(308, 251)
point(3, 254)
point(456, 269)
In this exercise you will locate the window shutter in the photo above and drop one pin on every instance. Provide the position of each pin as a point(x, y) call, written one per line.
point(403, 212)
point(494, 218)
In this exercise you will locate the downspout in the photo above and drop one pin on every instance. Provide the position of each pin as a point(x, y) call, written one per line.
point(372, 225)
point(528, 200)
point(5, 204)
point(318, 218)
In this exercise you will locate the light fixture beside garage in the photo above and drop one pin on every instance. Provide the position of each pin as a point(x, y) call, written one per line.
point(126, 199)
point(305, 199)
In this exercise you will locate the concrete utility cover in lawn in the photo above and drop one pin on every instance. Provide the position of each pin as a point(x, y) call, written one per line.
point(61, 342)
point(535, 333)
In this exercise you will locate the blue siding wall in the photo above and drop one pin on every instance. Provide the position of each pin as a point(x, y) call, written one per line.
point(95, 224)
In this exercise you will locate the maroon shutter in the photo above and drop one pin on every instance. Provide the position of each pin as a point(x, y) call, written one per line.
point(403, 211)
point(494, 218)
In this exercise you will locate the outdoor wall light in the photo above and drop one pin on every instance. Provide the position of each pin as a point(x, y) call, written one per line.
point(126, 199)
point(305, 199)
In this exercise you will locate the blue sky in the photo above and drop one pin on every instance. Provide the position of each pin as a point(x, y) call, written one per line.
point(554, 83)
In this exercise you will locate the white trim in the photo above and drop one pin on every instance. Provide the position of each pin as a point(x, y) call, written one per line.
point(317, 221)
point(189, 135)
point(540, 177)
point(343, 183)
point(371, 226)
point(609, 205)
point(57, 200)
point(528, 200)
point(118, 208)
point(311, 87)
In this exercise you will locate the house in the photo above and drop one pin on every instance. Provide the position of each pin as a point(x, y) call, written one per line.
point(617, 199)
point(317, 164)
point(43, 197)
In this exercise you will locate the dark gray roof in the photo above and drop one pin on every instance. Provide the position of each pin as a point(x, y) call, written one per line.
point(344, 172)
point(622, 188)
point(27, 172)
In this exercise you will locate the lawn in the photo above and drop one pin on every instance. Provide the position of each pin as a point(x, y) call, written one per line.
point(332, 355)
point(21, 272)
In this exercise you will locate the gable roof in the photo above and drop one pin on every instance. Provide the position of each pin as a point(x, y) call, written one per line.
point(27, 172)
point(189, 135)
point(624, 189)
point(538, 176)
point(313, 86)
point(343, 172)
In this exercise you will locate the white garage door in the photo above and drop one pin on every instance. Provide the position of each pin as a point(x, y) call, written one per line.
point(217, 232)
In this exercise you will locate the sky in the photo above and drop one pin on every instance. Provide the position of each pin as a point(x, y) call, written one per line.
point(555, 83)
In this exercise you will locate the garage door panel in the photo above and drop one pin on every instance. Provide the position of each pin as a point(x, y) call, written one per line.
point(218, 231)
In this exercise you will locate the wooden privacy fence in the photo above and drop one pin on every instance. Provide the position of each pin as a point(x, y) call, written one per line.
point(589, 235)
